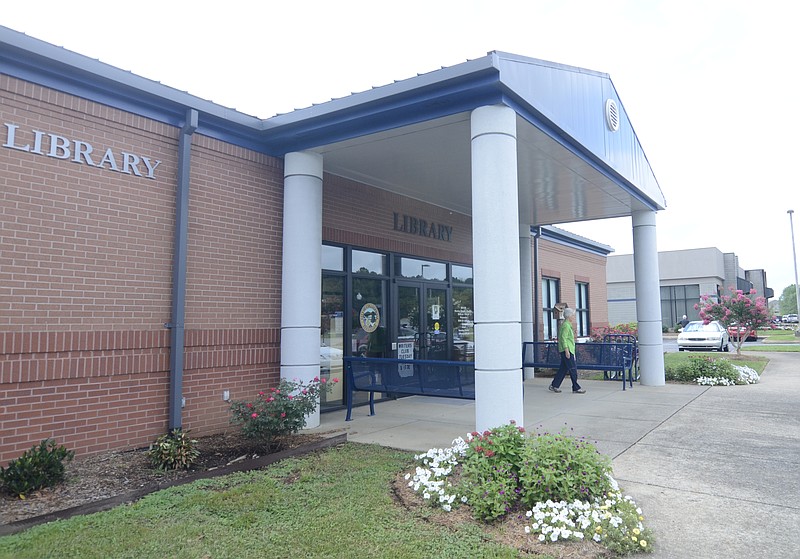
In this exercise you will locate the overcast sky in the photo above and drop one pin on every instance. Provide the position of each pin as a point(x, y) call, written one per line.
point(709, 85)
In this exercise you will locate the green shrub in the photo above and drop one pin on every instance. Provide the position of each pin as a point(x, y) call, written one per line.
point(562, 468)
point(173, 451)
point(41, 466)
point(491, 470)
point(279, 411)
point(702, 367)
point(502, 469)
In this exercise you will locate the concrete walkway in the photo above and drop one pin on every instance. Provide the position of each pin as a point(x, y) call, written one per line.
point(716, 470)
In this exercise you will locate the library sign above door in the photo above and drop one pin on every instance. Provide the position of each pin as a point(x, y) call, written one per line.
point(78, 151)
point(422, 227)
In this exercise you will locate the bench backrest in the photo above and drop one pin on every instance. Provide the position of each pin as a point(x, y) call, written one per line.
point(411, 376)
point(599, 356)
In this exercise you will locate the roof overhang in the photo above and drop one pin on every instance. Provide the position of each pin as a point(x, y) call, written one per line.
point(411, 137)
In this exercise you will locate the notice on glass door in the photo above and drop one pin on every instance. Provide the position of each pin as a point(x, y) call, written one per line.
point(405, 350)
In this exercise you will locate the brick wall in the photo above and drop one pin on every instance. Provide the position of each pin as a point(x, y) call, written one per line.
point(86, 274)
point(371, 224)
point(570, 266)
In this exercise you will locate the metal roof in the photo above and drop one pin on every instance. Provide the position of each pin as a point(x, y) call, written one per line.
point(411, 137)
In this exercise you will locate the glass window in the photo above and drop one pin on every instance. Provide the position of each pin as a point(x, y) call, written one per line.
point(424, 269)
point(549, 301)
point(332, 258)
point(368, 327)
point(368, 262)
point(462, 274)
point(582, 309)
point(463, 324)
point(331, 339)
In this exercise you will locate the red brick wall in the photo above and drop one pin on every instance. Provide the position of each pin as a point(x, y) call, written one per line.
point(570, 266)
point(86, 273)
point(371, 225)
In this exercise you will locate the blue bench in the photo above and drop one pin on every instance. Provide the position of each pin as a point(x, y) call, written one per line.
point(445, 379)
point(609, 357)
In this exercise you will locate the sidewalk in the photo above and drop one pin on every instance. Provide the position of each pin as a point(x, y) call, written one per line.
point(715, 469)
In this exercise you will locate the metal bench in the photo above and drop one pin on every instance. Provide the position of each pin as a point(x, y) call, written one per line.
point(616, 358)
point(445, 379)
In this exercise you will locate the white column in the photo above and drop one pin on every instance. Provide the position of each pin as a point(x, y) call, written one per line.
point(526, 288)
point(648, 298)
point(495, 253)
point(302, 274)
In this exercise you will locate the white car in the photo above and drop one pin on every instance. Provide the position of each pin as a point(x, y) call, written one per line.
point(698, 335)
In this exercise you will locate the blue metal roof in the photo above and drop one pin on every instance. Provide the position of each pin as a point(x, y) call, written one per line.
point(563, 102)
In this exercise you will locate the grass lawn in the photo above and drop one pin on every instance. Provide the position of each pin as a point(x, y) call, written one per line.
point(331, 504)
point(778, 337)
point(755, 362)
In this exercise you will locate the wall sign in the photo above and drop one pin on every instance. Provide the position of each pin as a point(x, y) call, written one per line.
point(424, 228)
point(78, 151)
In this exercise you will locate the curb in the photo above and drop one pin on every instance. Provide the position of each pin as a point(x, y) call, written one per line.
point(133, 496)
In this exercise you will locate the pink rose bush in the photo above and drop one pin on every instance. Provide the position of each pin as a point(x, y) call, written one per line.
point(280, 411)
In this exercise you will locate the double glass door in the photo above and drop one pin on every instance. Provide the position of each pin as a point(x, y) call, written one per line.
point(422, 321)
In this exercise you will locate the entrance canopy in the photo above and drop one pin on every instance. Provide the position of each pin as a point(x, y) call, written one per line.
point(578, 156)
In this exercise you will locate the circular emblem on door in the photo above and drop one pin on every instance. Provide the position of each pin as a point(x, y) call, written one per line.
point(369, 317)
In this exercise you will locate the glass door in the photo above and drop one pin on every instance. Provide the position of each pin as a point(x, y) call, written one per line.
point(422, 322)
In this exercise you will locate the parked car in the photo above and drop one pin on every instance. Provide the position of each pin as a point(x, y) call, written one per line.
point(698, 335)
point(790, 318)
point(735, 332)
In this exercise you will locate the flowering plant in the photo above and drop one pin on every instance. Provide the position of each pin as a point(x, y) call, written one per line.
point(501, 470)
point(738, 308)
point(279, 411)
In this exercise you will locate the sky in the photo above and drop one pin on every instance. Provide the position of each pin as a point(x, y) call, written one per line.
point(708, 85)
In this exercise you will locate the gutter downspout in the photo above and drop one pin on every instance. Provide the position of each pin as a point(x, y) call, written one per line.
point(537, 316)
point(179, 271)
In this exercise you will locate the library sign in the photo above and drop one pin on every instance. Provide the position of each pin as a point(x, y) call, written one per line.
point(56, 146)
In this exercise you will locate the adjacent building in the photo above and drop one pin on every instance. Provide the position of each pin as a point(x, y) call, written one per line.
point(685, 275)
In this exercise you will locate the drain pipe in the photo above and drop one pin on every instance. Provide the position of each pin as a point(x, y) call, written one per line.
point(176, 327)
point(537, 316)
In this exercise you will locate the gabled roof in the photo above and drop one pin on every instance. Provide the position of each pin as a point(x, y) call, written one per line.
point(412, 136)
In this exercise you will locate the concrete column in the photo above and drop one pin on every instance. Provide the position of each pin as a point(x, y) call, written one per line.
point(302, 274)
point(495, 253)
point(526, 288)
point(648, 298)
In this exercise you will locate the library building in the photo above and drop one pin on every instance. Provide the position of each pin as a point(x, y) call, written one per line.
point(162, 255)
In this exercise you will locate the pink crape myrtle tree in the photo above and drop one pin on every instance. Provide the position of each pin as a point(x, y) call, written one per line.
point(739, 309)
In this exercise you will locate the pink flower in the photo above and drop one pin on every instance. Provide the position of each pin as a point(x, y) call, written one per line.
point(323, 381)
point(283, 414)
point(254, 415)
point(290, 397)
point(304, 391)
point(249, 405)
point(335, 380)
point(260, 393)
point(270, 399)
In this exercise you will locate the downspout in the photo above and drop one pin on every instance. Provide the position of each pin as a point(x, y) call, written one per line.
point(179, 271)
point(537, 232)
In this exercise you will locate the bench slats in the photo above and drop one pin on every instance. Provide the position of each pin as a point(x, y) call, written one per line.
point(617, 357)
point(446, 379)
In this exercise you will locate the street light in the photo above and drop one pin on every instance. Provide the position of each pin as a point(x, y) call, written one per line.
point(794, 256)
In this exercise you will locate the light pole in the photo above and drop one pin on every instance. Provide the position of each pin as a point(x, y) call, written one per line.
point(794, 257)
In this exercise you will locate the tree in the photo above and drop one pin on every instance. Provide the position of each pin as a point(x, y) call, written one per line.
point(788, 301)
point(736, 309)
